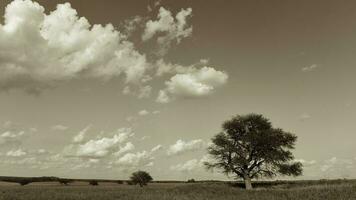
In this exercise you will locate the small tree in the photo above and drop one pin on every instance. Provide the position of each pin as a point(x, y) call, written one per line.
point(249, 147)
point(141, 178)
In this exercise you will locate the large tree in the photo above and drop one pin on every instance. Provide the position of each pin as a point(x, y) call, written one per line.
point(250, 147)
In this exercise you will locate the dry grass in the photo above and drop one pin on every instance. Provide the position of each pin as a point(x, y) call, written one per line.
point(175, 191)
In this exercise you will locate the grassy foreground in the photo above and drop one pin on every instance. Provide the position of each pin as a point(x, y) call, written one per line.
point(172, 191)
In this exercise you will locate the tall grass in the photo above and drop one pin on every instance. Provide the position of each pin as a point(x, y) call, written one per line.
point(194, 191)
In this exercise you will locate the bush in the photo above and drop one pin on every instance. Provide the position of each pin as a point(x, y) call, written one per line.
point(24, 182)
point(129, 183)
point(63, 181)
point(93, 183)
point(191, 180)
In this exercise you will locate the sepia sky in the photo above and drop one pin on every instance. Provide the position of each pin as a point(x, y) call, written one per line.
point(98, 89)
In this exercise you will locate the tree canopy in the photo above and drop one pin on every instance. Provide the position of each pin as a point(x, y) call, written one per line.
point(141, 178)
point(250, 147)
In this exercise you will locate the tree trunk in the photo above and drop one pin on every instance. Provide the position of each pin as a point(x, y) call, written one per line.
point(248, 184)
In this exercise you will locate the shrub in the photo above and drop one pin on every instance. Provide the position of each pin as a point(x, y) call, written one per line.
point(63, 181)
point(24, 182)
point(129, 183)
point(191, 180)
point(93, 183)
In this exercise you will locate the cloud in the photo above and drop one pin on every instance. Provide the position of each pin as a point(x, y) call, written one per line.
point(306, 163)
point(191, 165)
point(38, 51)
point(16, 153)
point(170, 28)
point(156, 148)
point(13, 134)
point(59, 127)
point(80, 137)
point(128, 147)
point(100, 147)
point(143, 112)
point(197, 83)
point(182, 146)
point(136, 160)
point(304, 117)
point(310, 68)
point(187, 166)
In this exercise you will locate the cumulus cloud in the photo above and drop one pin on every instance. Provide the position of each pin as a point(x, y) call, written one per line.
point(16, 153)
point(100, 147)
point(59, 127)
point(156, 148)
point(134, 160)
point(306, 163)
point(182, 146)
point(128, 147)
point(196, 83)
point(310, 68)
point(80, 137)
point(191, 165)
point(40, 51)
point(13, 134)
point(304, 117)
point(170, 28)
point(143, 112)
point(73, 48)
point(337, 165)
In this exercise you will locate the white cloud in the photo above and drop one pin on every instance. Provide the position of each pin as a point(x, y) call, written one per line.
point(80, 137)
point(136, 160)
point(156, 148)
point(100, 147)
point(310, 68)
point(187, 166)
point(182, 146)
point(156, 112)
point(337, 165)
point(198, 83)
point(145, 92)
point(73, 48)
point(59, 127)
point(191, 165)
point(16, 153)
point(169, 28)
point(304, 117)
point(128, 147)
point(143, 112)
point(39, 51)
point(306, 163)
point(14, 134)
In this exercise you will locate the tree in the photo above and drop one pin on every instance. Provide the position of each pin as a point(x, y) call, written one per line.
point(249, 147)
point(141, 178)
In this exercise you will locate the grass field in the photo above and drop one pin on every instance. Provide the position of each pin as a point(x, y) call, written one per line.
point(336, 190)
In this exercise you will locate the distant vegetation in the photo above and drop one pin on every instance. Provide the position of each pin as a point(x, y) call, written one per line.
point(93, 183)
point(191, 180)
